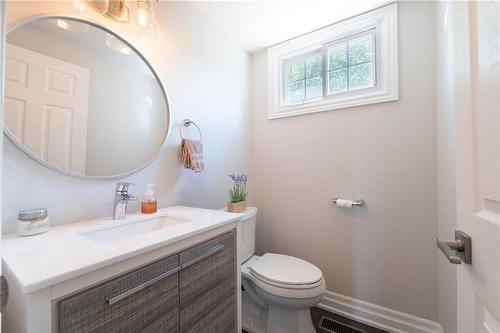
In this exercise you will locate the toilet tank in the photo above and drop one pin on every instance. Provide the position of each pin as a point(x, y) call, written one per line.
point(248, 233)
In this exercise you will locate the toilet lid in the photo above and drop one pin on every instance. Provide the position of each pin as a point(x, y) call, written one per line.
point(286, 270)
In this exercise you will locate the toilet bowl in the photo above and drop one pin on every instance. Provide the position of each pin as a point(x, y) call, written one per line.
point(286, 287)
point(278, 290)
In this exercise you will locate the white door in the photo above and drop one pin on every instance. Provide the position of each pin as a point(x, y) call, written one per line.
point(2, 53)
point(46, 107)
point(477, 103)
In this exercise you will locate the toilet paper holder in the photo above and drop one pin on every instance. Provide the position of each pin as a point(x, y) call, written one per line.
point(355, 203)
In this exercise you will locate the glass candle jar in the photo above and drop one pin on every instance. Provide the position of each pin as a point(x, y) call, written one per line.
point(32, 221)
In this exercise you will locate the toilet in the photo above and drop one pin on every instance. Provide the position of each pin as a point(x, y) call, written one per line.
point(277, 289)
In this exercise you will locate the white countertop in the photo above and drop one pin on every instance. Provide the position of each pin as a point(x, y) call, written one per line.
point(40, 261)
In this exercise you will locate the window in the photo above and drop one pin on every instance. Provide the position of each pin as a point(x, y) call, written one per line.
point(351, 65)
point(303, 78)
point(347, 64)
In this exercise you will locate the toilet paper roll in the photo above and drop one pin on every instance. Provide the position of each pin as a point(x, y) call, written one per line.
point(344, 203)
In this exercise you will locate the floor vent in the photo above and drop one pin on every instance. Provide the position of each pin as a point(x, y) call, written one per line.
point(333, 326)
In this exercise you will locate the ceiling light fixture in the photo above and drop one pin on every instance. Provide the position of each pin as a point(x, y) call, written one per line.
point(119, 11)
point(116, 10)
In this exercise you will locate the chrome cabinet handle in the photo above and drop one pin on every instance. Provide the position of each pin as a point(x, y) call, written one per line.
point(457, 250)
point(213, 250)
point(140, 287)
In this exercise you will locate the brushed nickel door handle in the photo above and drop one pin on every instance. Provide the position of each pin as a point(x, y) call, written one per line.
point(4, 292)
point(448, 247)
point(458, 250)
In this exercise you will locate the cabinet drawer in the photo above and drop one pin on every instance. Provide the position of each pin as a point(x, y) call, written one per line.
point(207, 284)
point(144, 300)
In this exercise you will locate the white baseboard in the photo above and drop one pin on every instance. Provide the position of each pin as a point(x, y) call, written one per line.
point(377, 316)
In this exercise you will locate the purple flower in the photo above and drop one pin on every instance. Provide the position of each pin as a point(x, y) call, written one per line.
point(238, 192)
point(238, 178)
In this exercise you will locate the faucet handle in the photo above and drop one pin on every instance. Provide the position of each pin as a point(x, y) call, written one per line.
point(122, 187)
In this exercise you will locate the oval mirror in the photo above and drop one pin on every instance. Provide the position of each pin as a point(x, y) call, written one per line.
point(81, 100)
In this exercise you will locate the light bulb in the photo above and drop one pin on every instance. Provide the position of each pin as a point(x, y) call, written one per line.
point(143, 17)
point(73, 26)
point(143, 12)
point(78, 4)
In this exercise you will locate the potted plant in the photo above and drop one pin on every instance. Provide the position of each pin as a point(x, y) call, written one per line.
point(238, 194)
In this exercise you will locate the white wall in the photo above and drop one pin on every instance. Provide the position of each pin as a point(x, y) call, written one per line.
point(447, 310)
point(207, 80)
point(384, 253)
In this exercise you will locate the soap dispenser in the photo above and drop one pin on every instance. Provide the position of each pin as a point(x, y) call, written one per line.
point(149, 204)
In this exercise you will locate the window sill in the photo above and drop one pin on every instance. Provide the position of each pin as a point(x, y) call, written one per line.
point(370, 96)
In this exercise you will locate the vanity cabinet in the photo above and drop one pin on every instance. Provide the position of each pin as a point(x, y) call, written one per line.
point(190, 291)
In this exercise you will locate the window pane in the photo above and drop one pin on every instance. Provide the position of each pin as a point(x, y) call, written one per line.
point(337, 81)
point(337, 56)
point(295, 70)
point(313, 66)
point(361, 50)
point(361, 76)
point(314, 87)
point(296, 92)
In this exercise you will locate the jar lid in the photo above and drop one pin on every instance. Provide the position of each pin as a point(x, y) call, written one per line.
point(34, 213)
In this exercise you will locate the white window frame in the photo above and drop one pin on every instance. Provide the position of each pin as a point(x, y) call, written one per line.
point(382, 21)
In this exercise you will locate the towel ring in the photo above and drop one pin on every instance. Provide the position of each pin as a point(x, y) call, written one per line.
point(187, 123)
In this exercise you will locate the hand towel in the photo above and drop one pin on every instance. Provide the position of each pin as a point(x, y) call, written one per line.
point(191, 153)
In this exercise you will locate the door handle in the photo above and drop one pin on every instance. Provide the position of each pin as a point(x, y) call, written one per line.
point(4, 292)
point(458, 250)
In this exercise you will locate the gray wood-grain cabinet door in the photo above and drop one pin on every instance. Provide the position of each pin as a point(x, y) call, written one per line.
point(207, 285)
point(144, 300)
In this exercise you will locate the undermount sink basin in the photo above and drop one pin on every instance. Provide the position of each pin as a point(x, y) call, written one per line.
point(118, 232)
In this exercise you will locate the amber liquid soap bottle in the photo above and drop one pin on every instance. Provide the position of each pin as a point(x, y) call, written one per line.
point(149, 204)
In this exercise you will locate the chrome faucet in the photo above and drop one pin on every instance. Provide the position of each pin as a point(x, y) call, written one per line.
point(122, 197)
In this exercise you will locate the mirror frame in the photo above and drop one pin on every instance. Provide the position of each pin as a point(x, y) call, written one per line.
point(19, 23)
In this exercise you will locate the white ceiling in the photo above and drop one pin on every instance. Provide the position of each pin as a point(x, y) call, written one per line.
point(254, 24)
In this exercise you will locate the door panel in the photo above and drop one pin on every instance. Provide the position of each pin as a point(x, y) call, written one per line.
point(57, 136)
point(47, 107)
point(477, 94)
point(16, 71)
point(59, 82)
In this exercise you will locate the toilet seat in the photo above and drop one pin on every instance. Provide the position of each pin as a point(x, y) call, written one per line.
point(287, 286)
point(277, 280)
point(286, 271)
